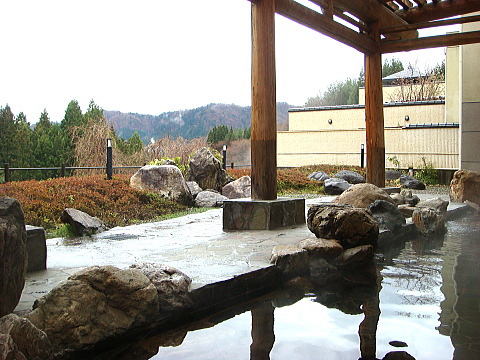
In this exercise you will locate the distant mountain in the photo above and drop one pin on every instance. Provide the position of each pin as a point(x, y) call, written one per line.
point(188, 124)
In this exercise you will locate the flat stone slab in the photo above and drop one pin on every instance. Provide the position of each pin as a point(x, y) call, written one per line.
point(36, 248)
point(250, 214)
point(195, 244)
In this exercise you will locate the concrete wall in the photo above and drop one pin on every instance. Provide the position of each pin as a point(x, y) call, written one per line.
point(470, 103)
point(463, 98)
point(353, 116)
point(312, 140)
point(439, 146)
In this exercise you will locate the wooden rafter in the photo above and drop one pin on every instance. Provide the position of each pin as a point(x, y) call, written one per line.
point(371, 11)
point(321, 23)
point(340, 14)
point(439, 10)
point(464, 38)
point(420, 2)
point(430, 24)
point(405, 4)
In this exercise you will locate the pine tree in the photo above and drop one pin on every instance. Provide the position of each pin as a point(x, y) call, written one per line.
point(94, 114)
point(23, 139)
point(48, 146)
point(7, 136)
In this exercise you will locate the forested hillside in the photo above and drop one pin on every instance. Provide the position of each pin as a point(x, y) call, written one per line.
point(188, 124)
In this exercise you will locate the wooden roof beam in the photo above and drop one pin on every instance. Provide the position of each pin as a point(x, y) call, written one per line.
point(439, 10)
point(430, 24)
point(370, 11)
point(338, 13)
point(420, 2)
point(389, 46)
point(321, 23)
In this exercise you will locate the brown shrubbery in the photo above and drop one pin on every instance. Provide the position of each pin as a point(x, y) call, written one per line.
point(117, 204)
point(112, 201)
point(296, 179)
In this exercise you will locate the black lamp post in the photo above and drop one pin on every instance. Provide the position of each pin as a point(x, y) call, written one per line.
point(109, 159)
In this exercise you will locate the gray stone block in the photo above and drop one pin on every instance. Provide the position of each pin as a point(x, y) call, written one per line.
point(36, 248)
point(248, 214)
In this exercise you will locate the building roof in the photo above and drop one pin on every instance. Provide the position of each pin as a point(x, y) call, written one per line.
point(405, 74)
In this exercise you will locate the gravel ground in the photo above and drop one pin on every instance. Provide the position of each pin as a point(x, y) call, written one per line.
point(434, 189)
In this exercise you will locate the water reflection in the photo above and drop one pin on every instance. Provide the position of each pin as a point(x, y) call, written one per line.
point(460, 315)
point(263, 335)
point(425, 295)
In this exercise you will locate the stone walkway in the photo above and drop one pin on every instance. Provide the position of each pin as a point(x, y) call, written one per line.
point(195, 244)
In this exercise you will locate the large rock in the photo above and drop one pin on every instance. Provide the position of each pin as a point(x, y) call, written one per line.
point(437, 204)
point(172, 285)
point(82, 223)
point(429, 222)
point(165, 180)
point(351, 177)
point(334, 186)
point(94, 304)
point(23, 339)
point(209, 198)
point(392, 175)
point(289, 259)
point(362, 195)
point(350, 226)
point(194, 188)
point(319, 176)
point(357, 256)
point(240, 188)
point(406, 210)
point(465, 185)
point(410, 182)
point(387, 215)
point(207, 171)
point(13, 254)
point(409, 198)
point(399, 200)
point(321, 248)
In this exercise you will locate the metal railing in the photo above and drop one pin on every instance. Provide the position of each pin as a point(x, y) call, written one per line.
point(7, 170)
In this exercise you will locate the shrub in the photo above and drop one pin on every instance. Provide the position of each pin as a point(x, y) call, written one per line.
point(427, 173)
point(112, 201)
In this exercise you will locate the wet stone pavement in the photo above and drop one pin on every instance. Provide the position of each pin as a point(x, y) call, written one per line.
point(195, 244)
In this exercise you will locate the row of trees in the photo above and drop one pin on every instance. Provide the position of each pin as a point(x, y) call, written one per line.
point(411, 88)
point(346, 92)
point(223, 133)
point(51, 144)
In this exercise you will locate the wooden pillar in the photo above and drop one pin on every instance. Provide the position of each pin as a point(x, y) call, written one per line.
point(374, 115)
point(264, 117)
point(263, 335)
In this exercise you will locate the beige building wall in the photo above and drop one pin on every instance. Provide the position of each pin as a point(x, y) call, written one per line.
point(313, 140)
point(353, 116)
point(463, 98)
point(470, 103)
point(438, 146)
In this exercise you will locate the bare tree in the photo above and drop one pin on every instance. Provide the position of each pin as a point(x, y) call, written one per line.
point(418, 86)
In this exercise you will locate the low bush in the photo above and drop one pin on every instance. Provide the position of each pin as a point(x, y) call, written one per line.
point(296, 179)
point(112, 201)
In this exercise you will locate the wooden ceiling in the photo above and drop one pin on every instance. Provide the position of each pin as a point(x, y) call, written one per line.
point(381, 25)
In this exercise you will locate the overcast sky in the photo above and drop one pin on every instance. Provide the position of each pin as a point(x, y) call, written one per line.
point(152, 56)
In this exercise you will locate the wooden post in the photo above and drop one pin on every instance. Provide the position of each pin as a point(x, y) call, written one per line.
point(374, 115)
point(6, 172)
point(264, 122)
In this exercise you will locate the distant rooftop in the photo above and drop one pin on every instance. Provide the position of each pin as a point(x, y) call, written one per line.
point(405, 74)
